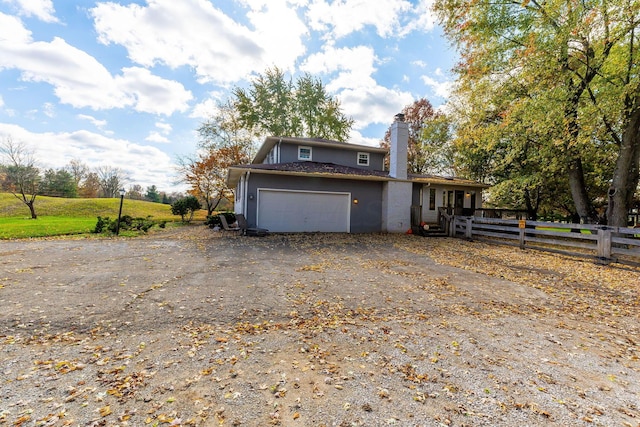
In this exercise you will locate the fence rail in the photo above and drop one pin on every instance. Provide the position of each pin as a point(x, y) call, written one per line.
point(605, 243)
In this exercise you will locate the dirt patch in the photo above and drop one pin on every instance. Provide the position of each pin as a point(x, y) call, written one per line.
point(191, 328)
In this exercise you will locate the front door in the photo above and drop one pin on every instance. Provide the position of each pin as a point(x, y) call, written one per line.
point(459, 202)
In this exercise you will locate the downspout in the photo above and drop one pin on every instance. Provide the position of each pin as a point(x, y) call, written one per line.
point(278, 151)
point(245, 190)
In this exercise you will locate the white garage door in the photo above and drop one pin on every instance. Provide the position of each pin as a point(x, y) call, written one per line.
point(300, 211)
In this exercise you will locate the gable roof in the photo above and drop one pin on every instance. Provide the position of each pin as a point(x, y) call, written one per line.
point(270, 141)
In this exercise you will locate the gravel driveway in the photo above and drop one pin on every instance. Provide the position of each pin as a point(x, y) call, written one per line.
point(190, 328)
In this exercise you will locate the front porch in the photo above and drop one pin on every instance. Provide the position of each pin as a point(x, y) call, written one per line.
point(433, 202)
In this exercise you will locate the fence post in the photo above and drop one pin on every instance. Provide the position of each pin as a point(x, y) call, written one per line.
point(604, 244)
point(452, 226)
point(468, 228)
point(522, 226)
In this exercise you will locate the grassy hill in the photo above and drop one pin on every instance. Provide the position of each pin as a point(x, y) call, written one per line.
point(59, 216)
point(58, 206)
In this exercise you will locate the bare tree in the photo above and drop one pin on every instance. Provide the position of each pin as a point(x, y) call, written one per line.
point(111, 180)
point(21, 175)
point(78, 170)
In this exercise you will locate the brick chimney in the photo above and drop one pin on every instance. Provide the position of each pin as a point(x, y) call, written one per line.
point(399, 148)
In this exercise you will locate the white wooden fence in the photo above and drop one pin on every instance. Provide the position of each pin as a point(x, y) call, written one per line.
point(604, 242)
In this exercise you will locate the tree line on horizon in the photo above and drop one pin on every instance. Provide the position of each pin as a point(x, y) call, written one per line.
point(20, 175)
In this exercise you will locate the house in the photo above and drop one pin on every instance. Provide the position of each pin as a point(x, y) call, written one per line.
point(317, 185)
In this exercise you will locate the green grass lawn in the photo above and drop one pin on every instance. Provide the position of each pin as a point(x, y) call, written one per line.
point(21, 227)
point(59, 216)
point(561, 230)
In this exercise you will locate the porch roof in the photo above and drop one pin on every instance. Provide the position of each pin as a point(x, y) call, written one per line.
point(446, 180)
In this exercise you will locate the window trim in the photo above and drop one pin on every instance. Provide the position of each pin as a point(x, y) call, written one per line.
point(302, 147)
point(367, 155)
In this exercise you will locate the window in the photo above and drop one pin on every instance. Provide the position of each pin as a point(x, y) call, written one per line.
point(363, 159)
point(432, 199)
point(304, 153)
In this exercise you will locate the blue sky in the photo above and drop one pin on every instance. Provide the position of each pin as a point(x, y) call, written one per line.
point(126, 83)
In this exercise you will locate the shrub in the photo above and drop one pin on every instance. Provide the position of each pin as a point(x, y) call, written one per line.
point(185, 207)
point(213, 221)
point(127, 222)
point(101, 225)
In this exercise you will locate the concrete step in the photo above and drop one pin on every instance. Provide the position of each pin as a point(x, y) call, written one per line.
point(433, 231)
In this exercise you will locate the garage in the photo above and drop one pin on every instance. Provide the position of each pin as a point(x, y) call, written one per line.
point(291, 211)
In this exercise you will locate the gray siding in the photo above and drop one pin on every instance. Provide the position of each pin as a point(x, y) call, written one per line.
point(366, 216)
point(337, 155)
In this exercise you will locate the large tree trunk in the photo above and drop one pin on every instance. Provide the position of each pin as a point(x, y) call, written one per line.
point(626, 173)
point(532, 207)
point(575, 170)
point(581, 200)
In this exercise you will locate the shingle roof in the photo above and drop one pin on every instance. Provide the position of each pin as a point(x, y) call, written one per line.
point(315, 168)
point(436, 179)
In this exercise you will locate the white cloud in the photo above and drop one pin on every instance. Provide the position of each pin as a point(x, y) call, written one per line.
point(160, 135)
point(41, 9)
point(145, 165)
point(334, 59)
point(81, 81)
point(157, 137)
point(49, 110)
point(278, 30)
point(165, 128)
point(354, 66)
point(356, 137)
point(97, 123)
point(351, 71)
point(195, 33)
point(441, 89)
point(343, 17)
point(376, 104)
point(8, 111)
point(153, 94)
point(12, 30)
point(205, 109)
point(422, 18)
